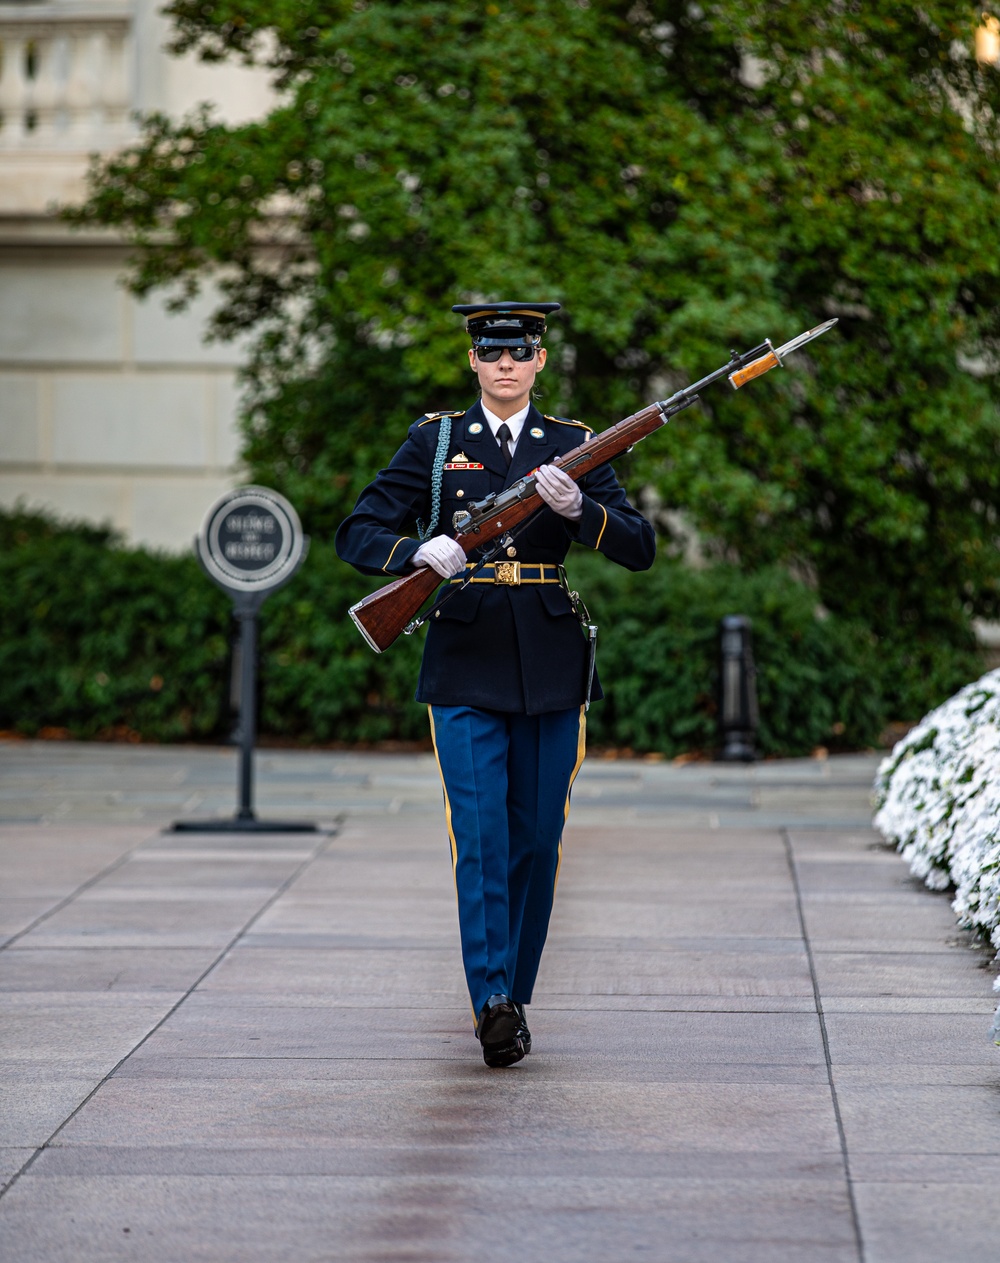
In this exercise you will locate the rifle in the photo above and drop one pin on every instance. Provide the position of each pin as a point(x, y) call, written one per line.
point(393, 609)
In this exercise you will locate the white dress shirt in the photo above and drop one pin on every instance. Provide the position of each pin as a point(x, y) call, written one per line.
point(516, 423)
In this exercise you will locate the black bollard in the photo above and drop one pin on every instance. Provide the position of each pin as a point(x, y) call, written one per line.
point(738, 715)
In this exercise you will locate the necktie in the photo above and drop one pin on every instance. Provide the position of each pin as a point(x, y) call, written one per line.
point(505, 436)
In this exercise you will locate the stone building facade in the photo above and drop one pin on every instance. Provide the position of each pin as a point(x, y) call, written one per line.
point(110, 409)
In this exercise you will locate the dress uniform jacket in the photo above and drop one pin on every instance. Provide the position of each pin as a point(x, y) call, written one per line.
point(497, 647)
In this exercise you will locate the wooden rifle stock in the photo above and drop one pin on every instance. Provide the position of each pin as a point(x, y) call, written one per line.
point(384, 615)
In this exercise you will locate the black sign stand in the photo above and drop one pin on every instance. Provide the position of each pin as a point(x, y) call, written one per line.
point(247, 603)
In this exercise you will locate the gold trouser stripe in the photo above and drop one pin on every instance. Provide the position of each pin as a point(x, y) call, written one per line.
point(603, 528)
point(447, 803)
point(581, 750)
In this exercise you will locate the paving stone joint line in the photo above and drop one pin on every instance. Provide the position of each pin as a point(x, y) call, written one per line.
point(326, 840)
point(755, 1039)
point(75, 894)
point(818, 998)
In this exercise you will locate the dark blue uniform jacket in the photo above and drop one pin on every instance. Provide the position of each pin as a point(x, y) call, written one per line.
point(496, 647)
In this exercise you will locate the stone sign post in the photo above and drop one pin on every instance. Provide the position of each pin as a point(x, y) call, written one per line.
point(250, 544)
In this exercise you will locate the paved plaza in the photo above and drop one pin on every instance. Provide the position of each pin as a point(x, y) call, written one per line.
point(756, 1038)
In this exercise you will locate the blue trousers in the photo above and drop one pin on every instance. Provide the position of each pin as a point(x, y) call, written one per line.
point(507, 781)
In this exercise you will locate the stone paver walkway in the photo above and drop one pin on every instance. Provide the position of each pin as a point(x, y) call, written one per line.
point(756, 1037)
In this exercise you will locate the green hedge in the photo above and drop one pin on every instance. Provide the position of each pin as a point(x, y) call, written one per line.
point(101, 640)
point(97, 638)
point(659, 647)
point(107, 641)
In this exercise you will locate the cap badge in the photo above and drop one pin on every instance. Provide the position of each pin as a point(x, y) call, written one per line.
point(537, 432)
point(476, 427)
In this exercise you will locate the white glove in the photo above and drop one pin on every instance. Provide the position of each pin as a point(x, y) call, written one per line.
point(559, 492)
point(442, 554)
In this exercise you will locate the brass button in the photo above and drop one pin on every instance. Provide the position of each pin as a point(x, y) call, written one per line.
point(437, 613)
point(512, 551)
point(459, 493)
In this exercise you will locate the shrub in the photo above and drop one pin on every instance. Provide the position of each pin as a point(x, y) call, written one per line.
point(101, 640)
point(97, 637)
point(658, 653)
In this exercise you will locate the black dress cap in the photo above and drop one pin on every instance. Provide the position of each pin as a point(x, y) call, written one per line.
point(505, 324)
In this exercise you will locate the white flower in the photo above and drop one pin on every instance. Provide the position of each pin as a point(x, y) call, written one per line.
point(938, 799)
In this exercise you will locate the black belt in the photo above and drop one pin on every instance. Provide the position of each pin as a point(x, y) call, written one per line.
point(512, 573)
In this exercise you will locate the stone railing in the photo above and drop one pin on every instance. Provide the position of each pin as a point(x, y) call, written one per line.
point(65, 75)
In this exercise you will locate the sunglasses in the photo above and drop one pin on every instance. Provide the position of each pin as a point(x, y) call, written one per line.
point(520, 354)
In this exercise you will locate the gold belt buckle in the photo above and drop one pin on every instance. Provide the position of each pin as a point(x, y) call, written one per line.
point(508, 572)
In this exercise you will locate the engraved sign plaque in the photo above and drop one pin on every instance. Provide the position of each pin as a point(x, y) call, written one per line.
point(251, 540)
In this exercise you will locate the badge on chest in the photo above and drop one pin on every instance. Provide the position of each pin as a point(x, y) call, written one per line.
point(461, 461)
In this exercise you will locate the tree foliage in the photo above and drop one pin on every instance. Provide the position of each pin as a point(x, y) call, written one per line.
point(683, 179)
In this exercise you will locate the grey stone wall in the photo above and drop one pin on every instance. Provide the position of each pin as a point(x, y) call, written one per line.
point(110, 409)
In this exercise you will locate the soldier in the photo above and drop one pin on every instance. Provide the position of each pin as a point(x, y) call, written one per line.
point(505, 669)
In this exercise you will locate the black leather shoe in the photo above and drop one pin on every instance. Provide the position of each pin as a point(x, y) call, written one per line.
point(497, 1029)
point(523, 1034)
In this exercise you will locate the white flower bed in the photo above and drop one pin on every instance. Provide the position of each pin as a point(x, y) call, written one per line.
point(938, 799)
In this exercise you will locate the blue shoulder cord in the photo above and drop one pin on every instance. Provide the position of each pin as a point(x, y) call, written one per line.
point(437, 475)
